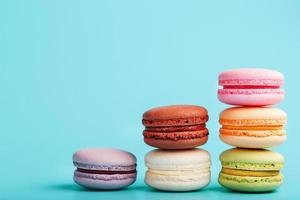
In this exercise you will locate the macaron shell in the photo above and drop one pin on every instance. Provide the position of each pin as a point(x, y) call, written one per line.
point(180, 144)
point(250, 97)
point(252, 159)
point(177, 183)
point(250, 184)
point(255, 113)
point(104, 181)
point(104, 159)
point(176, 129)
point(251, 76)
point(175, 115)
point(177, 159)
point(253, 142)
point(175, 112)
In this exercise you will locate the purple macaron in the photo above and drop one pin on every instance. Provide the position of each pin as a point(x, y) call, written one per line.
point(104, 168)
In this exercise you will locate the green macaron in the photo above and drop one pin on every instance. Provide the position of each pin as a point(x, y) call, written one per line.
point(251, 170)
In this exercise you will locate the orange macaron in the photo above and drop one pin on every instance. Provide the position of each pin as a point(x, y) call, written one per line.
point(253, 127)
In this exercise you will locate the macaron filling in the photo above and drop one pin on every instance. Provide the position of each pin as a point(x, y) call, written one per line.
point(253, 128)
point(252, 122)
point(251, 166)
point(89, 171)
point(252, 133)
point(99, 167)
point(240, 172)
point(250, 87)
point(176, 128)
point(104, 177)
point(179, 121)
point(175, 136)
point(256, 128)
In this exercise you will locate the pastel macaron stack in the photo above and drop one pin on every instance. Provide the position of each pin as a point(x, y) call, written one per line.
point(250, 127)
point(104, 168)
point(177, 165)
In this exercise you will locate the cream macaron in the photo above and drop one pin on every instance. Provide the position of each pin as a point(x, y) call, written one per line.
point(178, 170)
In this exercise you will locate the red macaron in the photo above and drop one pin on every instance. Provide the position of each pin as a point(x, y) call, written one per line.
point(175, 127)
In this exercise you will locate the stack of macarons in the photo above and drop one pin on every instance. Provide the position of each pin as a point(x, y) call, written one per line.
point(177, 165)
point(251, 127)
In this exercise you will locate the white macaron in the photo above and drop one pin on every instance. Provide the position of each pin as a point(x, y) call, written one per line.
point(178, 170)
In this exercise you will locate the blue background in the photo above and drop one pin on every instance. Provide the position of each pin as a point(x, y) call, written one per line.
point(75, 74)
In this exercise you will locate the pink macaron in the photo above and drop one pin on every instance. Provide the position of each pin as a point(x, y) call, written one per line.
point(104, 168)
point(251, 87)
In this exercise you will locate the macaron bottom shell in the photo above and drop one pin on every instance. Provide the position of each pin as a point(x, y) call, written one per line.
point(250, 183)
point(253, 142)
point(177, 183)
point(176, 144)
point(249, 98)
point(104, 181)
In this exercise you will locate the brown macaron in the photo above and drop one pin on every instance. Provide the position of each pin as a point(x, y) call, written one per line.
point(175, 127)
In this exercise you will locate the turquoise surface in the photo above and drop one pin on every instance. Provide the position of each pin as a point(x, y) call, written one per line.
point(75, 74)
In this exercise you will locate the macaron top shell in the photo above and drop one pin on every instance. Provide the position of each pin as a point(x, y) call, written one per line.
point(252, 159)
point(251, 76)
point(175, 115)
point(175, 112)
point(177, 159)
point(263, 115)
point(104, 158)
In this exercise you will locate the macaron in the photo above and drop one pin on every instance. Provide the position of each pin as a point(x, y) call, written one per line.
point(175, 127)
point(251, 87)
point(178, 170)
point(253, 127)
point(249, 170)
point(104, 168)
